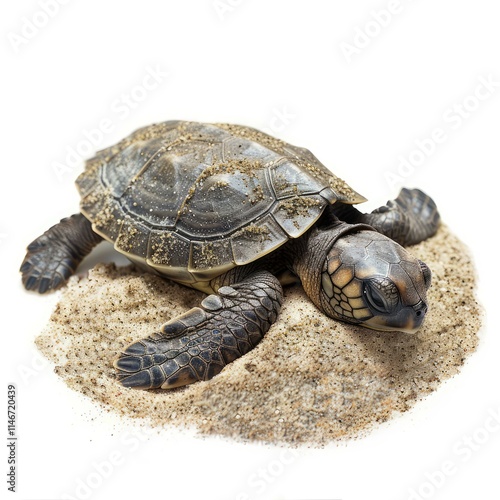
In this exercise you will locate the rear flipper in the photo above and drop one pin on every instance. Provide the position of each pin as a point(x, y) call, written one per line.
point(198, 344)
point(409, 219)
point(54, 256)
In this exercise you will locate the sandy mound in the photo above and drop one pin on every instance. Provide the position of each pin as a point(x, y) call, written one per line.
point(311, 380)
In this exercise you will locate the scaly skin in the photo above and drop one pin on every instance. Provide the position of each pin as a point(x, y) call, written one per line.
point(197, 345)
point(54, 256)
point(409, 219)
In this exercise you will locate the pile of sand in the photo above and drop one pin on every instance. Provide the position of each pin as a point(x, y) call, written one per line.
point(311, 379)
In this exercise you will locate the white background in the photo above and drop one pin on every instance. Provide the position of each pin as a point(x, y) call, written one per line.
point(306, 72)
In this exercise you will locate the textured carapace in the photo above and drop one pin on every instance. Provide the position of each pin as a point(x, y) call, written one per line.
point(192, 200)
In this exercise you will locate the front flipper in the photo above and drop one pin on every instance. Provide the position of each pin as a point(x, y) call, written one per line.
point(54, 256)
point(409, 219)
point(198, 344)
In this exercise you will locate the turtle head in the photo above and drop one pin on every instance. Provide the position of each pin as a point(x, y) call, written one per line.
point(370, 280)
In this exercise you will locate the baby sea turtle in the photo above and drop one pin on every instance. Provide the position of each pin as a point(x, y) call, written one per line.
point(236, 213)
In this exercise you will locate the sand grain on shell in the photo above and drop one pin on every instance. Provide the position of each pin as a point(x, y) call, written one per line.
point(311, 380)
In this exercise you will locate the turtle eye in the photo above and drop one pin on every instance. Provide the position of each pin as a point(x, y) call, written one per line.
point(381, 295)
point(375, 299)
point(426, 272)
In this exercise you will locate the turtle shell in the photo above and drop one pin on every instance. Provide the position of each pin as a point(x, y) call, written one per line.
point(192, 200)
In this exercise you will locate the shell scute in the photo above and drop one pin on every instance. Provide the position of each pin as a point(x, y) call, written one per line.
point(191, 199)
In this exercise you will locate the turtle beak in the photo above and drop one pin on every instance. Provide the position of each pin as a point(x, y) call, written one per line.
point(419, 311)
point(408, 320)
